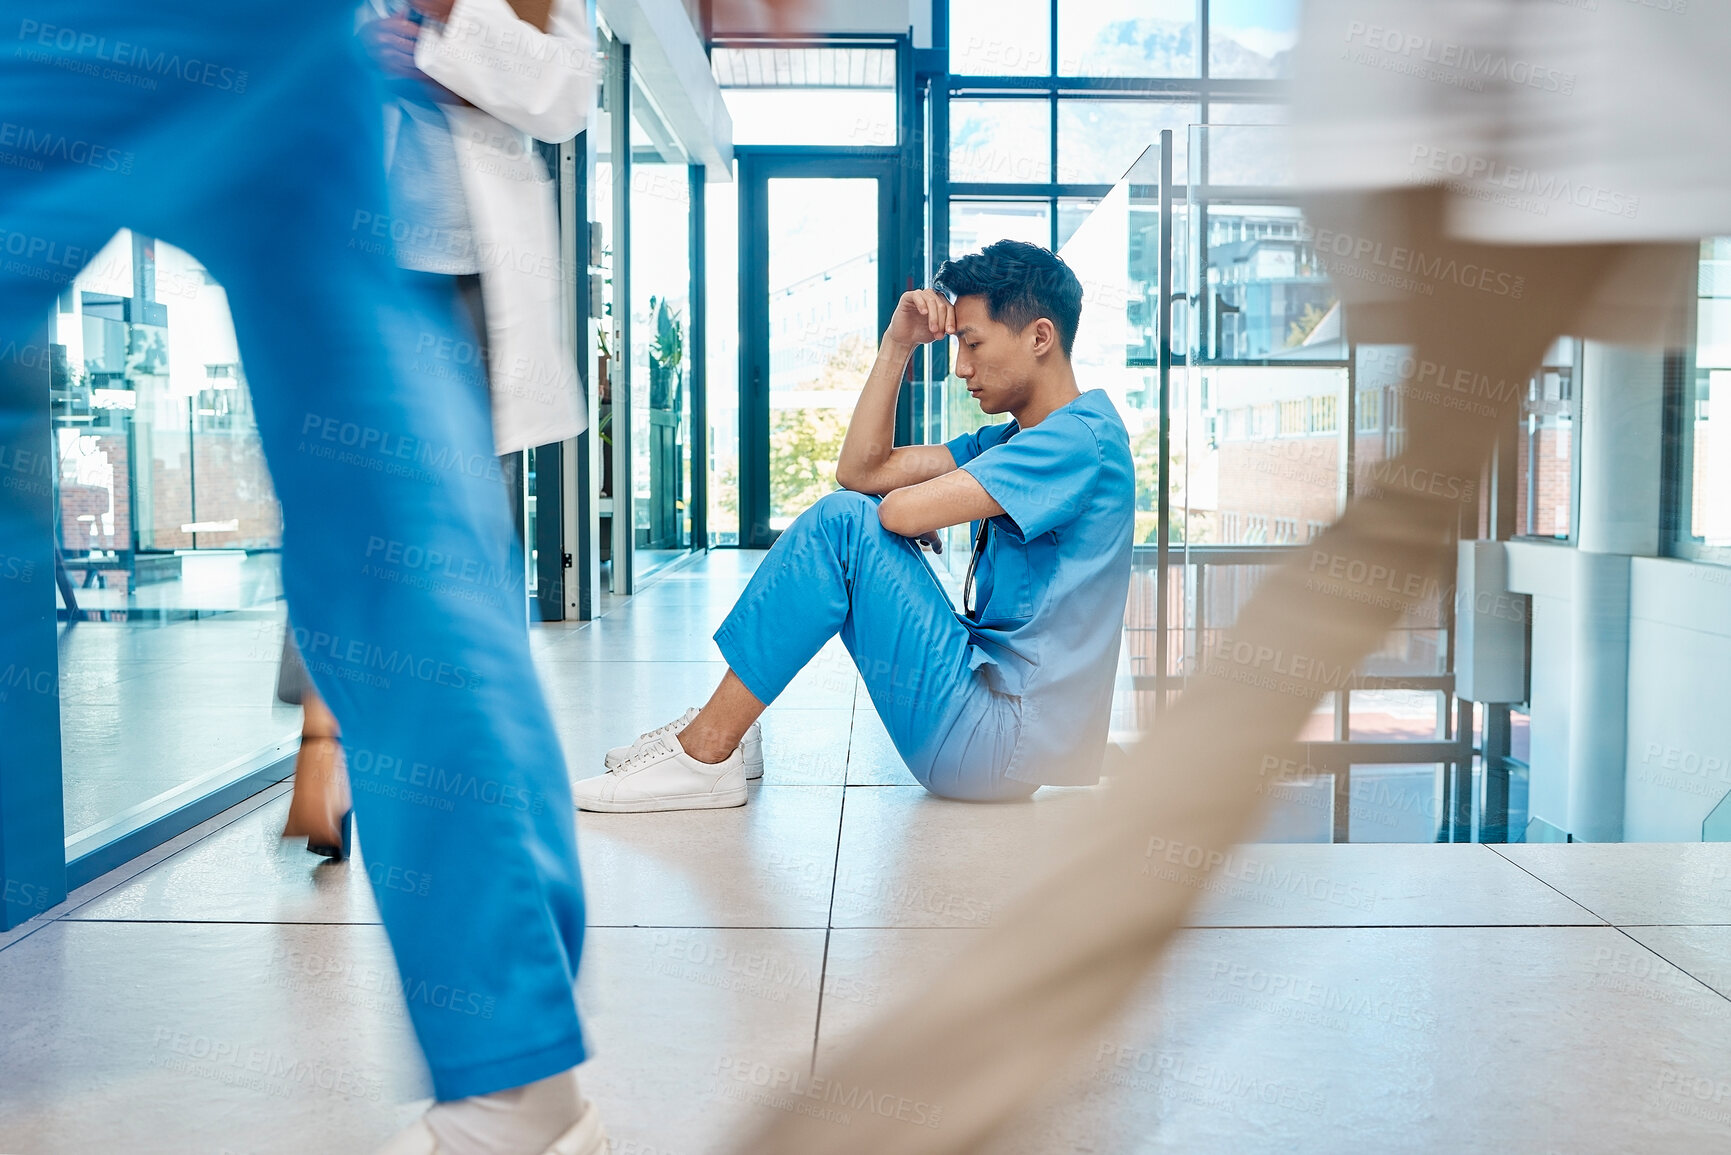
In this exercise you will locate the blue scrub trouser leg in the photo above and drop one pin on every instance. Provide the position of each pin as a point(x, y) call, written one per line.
point(402, 573)
point(837, 570)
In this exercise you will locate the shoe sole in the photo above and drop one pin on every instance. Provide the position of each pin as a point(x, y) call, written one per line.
point(708, 800)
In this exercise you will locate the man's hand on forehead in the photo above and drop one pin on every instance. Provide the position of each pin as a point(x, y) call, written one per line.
point(921, 317)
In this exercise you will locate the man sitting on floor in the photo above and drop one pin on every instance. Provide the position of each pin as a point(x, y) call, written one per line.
point(984, 705)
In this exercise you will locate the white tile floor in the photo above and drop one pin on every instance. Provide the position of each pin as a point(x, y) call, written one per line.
point(1466, 999)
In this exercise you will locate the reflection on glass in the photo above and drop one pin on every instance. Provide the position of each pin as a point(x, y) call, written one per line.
point(1385, 803)
point(606, 342)
point(1400, 715)
point(1108, 254)
point(1265, 293)
point(1000, 37)
point(1396, 803)
point(1096, 254)
point(660, 318)
point(1072, 211)
point(1255, 155)
point(1000, 140)
point(973, 226)
point(168, 541)
point(721, 233)
point(823, 329)
point(1098, 140)
point(1127, 38)
point(1274, 458)
point(1251, 39)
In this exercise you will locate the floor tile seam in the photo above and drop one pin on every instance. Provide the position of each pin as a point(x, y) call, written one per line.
point(1668, 961)
point(691, 926)
point(817, 1018)
point(1545, 882)
point(215, 922)
point(1285, 926)
point(33, 925)
point(847, 757)
point(829, 915)
point(157, 855)
point(1406, 926)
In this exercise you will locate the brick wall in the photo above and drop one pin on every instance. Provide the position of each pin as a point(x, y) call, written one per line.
point(233, 483)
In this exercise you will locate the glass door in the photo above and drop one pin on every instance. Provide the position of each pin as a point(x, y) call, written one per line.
point(816, 290)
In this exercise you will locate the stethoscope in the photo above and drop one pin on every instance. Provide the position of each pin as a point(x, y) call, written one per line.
point(968, 609)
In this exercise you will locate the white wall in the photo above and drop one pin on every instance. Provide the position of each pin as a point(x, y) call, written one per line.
point(1547, 573)
point(1679, 698)
point(1679, 694)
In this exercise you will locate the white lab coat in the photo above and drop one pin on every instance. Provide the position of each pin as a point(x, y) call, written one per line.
point(523, 84)
point(1549, 121)
point(1552, 122)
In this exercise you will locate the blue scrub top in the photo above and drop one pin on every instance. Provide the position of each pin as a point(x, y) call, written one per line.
point(1051, 586)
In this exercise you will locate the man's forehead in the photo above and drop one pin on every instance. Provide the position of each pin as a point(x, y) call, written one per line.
point(972, 315)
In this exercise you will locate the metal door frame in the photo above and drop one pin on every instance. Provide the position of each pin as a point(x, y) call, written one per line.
point(757, 167)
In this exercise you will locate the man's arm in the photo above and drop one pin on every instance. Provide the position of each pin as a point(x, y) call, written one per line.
point(952, 499)
point(870, 460)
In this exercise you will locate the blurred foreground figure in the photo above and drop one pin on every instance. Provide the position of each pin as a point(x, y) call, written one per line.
point(249, 134)
point(1486, 175)
point(471, 212)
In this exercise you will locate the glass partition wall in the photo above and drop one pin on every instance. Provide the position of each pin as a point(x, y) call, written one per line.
point(660, 396)
point(1278, 417)
point(1273, 418)
point(647, 379)
point(167, 543)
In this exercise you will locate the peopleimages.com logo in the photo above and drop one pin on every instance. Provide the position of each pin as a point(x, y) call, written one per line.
point(124, 56)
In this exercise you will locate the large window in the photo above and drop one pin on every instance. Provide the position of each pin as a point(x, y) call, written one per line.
point(815, 95)
point(1049, 103)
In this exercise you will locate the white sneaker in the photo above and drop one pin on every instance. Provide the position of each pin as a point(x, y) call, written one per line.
point(584, 1137)
point(662, 776)
point(752, 745)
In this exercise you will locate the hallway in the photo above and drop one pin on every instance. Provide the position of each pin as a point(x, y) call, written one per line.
point(226, 995)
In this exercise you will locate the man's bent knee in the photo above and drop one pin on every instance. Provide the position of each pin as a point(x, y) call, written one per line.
point(844, 507)
point(843, 503)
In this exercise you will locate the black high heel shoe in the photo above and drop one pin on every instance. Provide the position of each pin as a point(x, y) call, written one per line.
point(340, 852)
point(315, 780)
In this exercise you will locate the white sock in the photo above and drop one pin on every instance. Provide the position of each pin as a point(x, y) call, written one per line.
point(520, 1121)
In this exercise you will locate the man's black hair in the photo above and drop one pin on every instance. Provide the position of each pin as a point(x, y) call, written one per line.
point(1021, 283)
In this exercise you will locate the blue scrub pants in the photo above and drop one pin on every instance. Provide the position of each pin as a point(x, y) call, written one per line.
point(837, 570)
point(248, 134)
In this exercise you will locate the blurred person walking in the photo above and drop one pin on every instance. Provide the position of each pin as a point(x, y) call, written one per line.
point(251, 137)
point(471, 210)
point(1426, 134)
